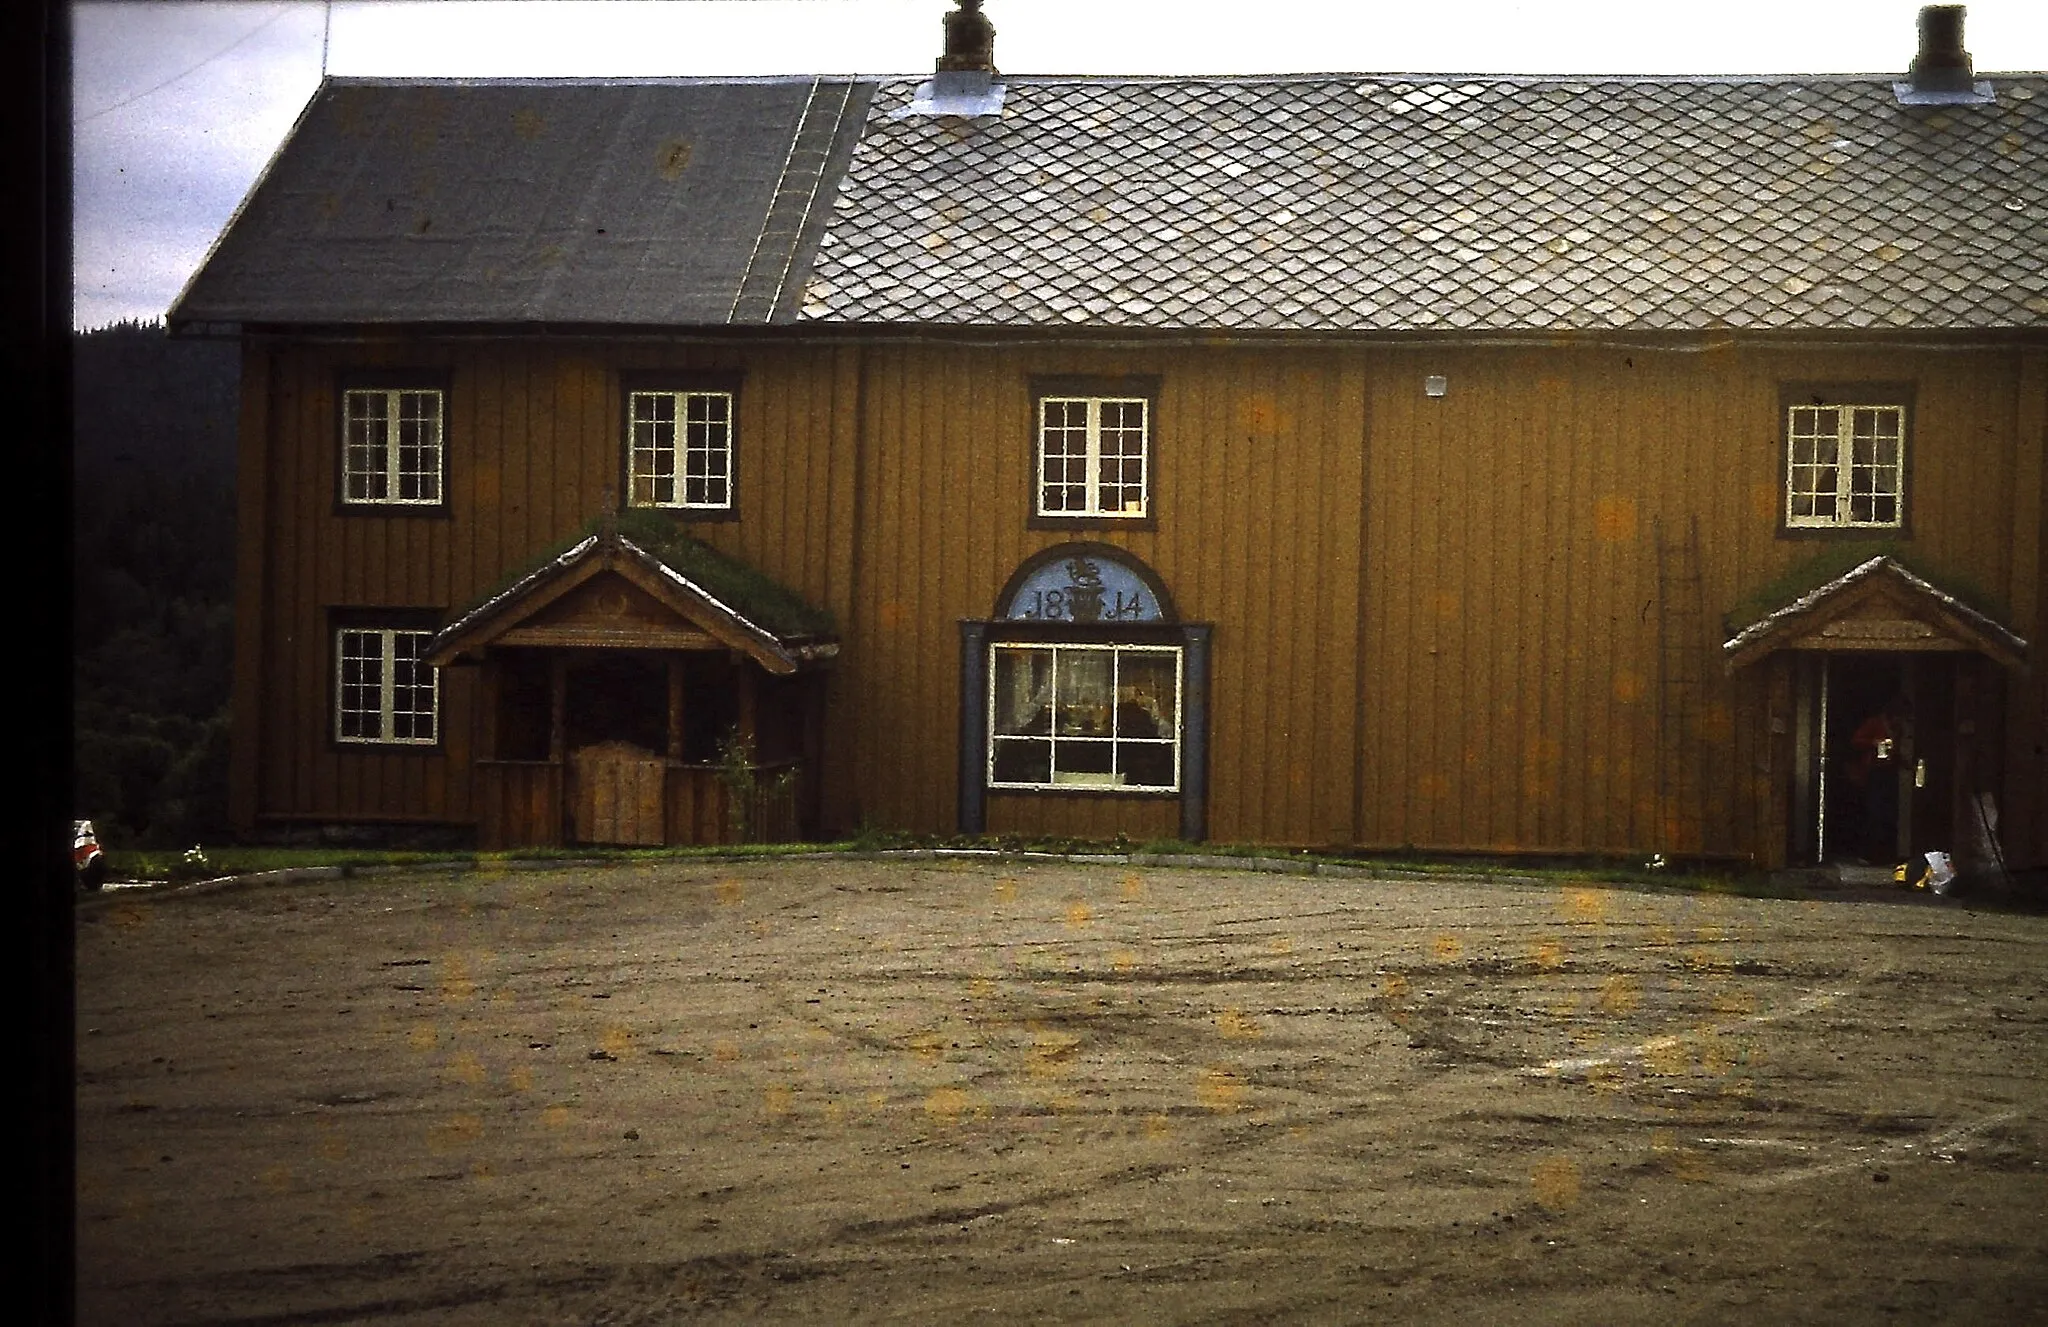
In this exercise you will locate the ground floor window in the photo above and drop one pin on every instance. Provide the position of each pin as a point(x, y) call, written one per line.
point(384, 689)
point(1085, 716)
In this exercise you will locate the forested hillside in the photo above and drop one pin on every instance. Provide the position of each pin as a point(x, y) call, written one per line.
point(154, 557)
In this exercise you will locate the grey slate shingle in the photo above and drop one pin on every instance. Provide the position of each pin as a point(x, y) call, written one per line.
point(1313, 203)
point(1395, 203)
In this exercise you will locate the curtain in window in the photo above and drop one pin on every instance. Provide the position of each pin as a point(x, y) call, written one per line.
point(1024, 692)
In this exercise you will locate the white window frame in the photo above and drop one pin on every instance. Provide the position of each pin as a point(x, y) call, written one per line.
point(1092, 459)
point(380, 646)
point(1805, 446)
point(383, 476)
point(688, 457)
point(1087, 781)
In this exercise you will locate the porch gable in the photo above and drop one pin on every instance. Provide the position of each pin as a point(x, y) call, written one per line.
point(1876, 606)
point(607, 592)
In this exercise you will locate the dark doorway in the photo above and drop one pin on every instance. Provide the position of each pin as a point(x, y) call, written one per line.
point(615, 696)
point(618, 697)
point(523, 701)
point(1930, 789)
point(710, 705)
point(1891, 764)
point(1860, 776)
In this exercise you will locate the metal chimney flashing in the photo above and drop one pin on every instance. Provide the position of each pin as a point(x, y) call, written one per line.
point(963, 83)
point(964, 92)
point(1977, 94)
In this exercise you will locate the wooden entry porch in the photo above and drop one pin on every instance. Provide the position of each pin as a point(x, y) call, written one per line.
point(723, 770)
point(644, 694)
point(521, 804)
point(1880, 648)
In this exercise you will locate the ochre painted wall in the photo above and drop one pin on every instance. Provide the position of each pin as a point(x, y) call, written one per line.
point(1436, 619)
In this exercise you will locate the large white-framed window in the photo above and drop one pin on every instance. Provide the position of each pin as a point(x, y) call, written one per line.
point(1845, 466)
point(1094, 456)
point(392, 451)
point(384, 691)
point(680, 449)
point(1077, 717)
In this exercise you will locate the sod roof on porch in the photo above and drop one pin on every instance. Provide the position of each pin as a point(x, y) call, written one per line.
point(719, 597)
point(1877, 605)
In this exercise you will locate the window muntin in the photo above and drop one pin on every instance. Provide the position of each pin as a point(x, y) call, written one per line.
point(391, 446)
point(1085, 716)
point(384, 690)
point(1845, 466)
point(680, 449)
point(1092, 455)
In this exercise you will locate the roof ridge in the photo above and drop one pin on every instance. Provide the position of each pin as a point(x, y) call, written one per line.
point(1298, 76)
point(593, 80)
point(1393, 76)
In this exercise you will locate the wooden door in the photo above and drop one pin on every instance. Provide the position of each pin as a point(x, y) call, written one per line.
point(616, 794)
point(1931, 790)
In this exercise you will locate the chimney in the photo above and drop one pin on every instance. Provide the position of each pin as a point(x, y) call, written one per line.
point(1941, 73)
point(963, 82)
point(971, 41)
point(1942, 64)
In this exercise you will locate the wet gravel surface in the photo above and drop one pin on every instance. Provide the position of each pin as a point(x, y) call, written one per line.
point(989, 1091)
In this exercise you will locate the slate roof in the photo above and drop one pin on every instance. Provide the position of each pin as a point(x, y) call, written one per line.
point(654, 202)
point(1329, 203)
point(1447, 203)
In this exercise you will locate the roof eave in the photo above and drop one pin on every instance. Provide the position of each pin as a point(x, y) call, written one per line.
point(1766, 635)
point(778, 653)
point(175, 317)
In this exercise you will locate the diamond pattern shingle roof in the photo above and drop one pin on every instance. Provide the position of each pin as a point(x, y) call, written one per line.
point(1446, 203)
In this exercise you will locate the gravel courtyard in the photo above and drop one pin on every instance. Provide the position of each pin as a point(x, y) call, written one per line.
point(964, 1090)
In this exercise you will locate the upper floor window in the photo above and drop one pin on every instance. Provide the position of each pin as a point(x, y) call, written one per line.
point(1094, 456)
point(384, 691)
point(680, 449)
point(1845, 465)
point(392, 452)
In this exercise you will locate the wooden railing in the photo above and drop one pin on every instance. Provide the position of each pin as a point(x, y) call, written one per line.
point(701, 807)
point(773, 814)
point(519, 804)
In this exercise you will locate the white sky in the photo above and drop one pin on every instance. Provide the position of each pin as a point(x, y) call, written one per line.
point(178, 105)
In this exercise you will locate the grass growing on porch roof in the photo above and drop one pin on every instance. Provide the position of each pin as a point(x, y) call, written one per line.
point(747, 590)
point(1808, 575)
point(754, 595)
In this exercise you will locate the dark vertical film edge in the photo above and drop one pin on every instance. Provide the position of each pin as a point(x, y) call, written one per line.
point(38, 264)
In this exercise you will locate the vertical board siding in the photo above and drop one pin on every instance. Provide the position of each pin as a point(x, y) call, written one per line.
point(1435, 618)
point(1140, 820)
point(306, 482)
point(1509, 677)
point(2025, 757)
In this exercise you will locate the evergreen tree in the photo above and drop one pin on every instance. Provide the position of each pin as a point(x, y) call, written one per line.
point(153, 548)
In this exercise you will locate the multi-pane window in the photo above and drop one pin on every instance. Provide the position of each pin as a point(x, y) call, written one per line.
point(1085, 716)
point(680, 449)
point(383, 690)
point(1092, 455)
point(391, 446)
point(1845, 466)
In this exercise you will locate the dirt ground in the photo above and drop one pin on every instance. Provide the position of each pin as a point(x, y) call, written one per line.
point(963, 1091)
